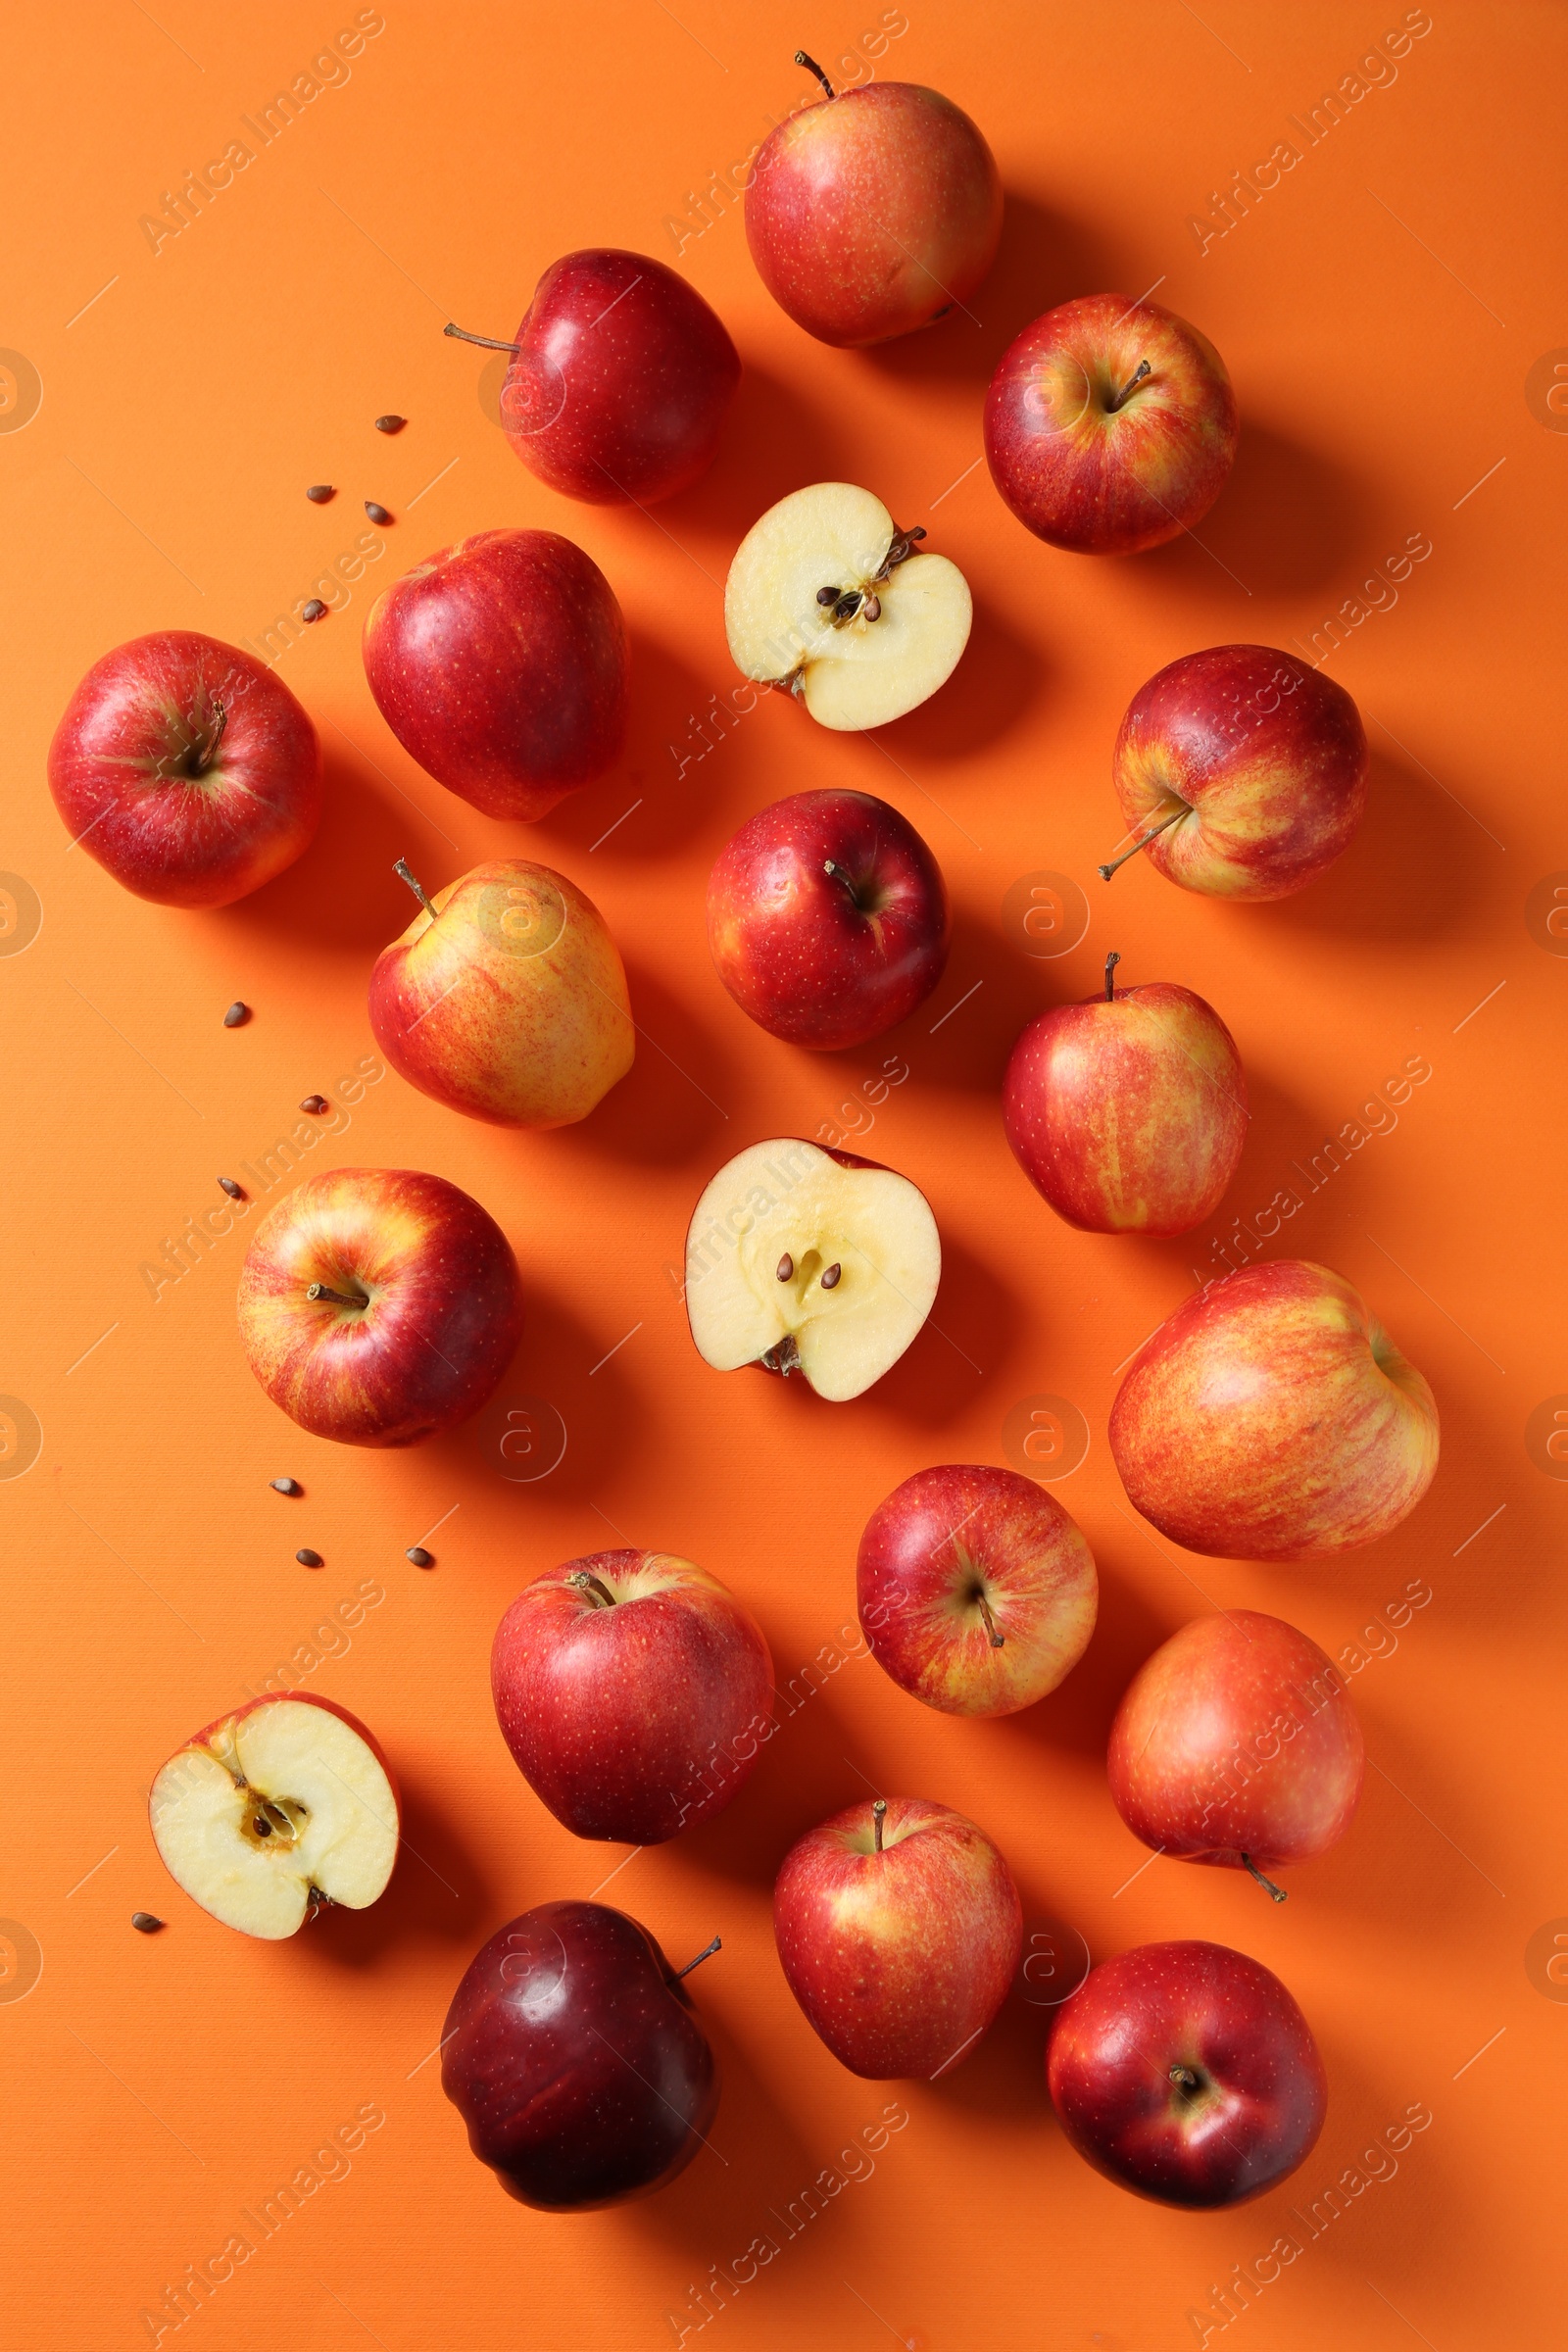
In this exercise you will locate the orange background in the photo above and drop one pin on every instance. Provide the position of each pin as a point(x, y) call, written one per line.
point(1381, 311)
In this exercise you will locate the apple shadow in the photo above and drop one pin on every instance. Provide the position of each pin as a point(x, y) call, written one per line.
point(437, 1889)
point(662, 786)
point(1286, 520)
point(549, 1429)
point(1417, 860)
point(670, 1107)
point(996, 680)
point(1076, 1717)
point(773, 442)
point(968, 1333)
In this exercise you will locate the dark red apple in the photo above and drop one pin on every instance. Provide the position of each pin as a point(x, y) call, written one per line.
point(501, 667)
point(1186, 2072)
point(1237, 1743)
point(634, 1692)
point(827, 918)
point(619, 380)
point(573, 2055)
point(187, 769)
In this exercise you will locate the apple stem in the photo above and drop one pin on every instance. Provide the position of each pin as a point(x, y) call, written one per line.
point(811, 66)
point(1111, 961)
point(900, 548)
point(401, 870)
point(706, 1953)
point(879, 1814)
point(1106, 871)
point(1185, 2079)
point(1268, 1884)
point(319, 1289)
point(997, 1637)
point(602, 1598)
point(837, 873)
point(486, 342)
point(1142, 369)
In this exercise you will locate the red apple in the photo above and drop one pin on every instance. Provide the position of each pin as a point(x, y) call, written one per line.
point(1237, 1743)
point(977, 1591)
point(900, 1930)
point(1186, 2072)
point(1241, 773)
point(378, 1306)
point(505, 997)
point(275, 1809)
point(1128, 1110)
point(872, 211)
point(1110, 425)
point(619, 380)
point(634, 1692)
point(1271, 1418)
point(501, 667)
point(573, 2056)
point(827, 918)
point(187, 769)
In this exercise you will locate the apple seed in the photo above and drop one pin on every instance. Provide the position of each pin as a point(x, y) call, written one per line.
point(315, 1104)
point(419, 1556)
point(785, 1269)
point(144, 1922)
point(309, 1559)
point(314, 610)
point(235, 1192)
point(376, 513)
point(237, 1014)
point(390, 424)
point(832, 1276)
point(319, 492)
point(285, 1486)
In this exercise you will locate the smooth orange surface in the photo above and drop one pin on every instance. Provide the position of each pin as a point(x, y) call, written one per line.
point(1390, 310)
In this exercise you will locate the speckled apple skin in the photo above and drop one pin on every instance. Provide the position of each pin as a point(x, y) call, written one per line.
point(622, 382)
point(874, 211)
point(501, 667)
point(632, 1722)
point(1128, 1114)
point(1270, 757)
point(445, 1312)
point(1216, 2013)
point(791, 945)
point(186, 842)
point(1237, 1738)
point(574, 2057)
point(1272, 1418)
point(901, 1959)
point(1105, 481)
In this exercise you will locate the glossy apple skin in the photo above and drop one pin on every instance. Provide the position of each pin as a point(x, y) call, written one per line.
point(511, 1003)
point(119, 760)
point(1128, 1114)
point(874, 211)
point(926, 1548)
point(1104, 481)
point(636, 1720)
point(810, 960)
point(622, 379)
point(574, 2058)
point(901, 1959)
point(444, 1318)
point(1236, 1742)
point(1261, 2091)
point(1272, 1418)
point(500, 666)
point(1268, 756)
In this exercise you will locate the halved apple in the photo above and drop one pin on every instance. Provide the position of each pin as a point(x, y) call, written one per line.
point(283, 1805)
point(826, 596)
point(807, 1260)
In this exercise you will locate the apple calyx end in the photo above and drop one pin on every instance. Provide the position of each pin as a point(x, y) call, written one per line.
point(783, 1357)
point(1276, 1894)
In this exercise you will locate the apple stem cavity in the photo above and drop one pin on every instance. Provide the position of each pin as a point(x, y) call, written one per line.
point(401, 870)
point(319, 1289)
point(879, 1814)
point(706, 1953)
point(599, 1592)
point(486, 342)
point(1106, 871)
point(811, 66)
point(1142, 369)
point(1111, 961)
point(994, 1632)
point(1268, 1884)
point(1186, 2081)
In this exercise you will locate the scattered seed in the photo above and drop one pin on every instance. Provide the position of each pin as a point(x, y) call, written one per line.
point(285, 1486)
point(376, 513)
point(872, 608)
point(144, 1922)
point(827, 596)
point(319, 492)
point(309, 1559)
point(784, 1268)
point(235, 1192)
point(237, 1014)
point(419, 1556)
point(832, 1276)
point(314, 1102)
point(314, 610)
point(847, 606)
point(390, 424)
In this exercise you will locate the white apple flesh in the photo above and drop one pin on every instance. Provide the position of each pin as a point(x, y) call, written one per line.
point(802, 1259)
point(886, 638)
point(278, 1807)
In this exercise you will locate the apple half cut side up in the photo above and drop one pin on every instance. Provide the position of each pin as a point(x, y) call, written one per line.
point(275, 1810)
point(804, 1260)
point(827, 597)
